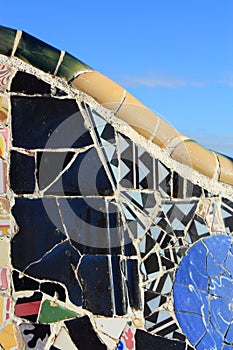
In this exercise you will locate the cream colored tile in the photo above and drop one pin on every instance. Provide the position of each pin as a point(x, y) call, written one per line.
point(138, 116)
point(4, 253)
point(226, 169)
point(63, 341)
point(110, 326)
point(197, 157)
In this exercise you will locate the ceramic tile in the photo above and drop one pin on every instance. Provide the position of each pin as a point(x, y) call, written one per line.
point(111, 326)
point(35, 335)
point(37, 53)
point(29, 84)
point(102, 244)
point(4, 142)
point(51, 312)
point(22, 173)
point(48, 123)
point(5, 253)
point(4, 108)
point(37, 233)
point(139, 170)
point(5, 306)
point(5, 76)
point(94, 276)
point(7, 38)
point(59, 265)
point(70, 67)
point(107, 93)
point(28, 307)
point(83, 335)
point(4, 278)
point(63, 341)
point(74, 180)
point(206, 287)
point(5, 222)
point(127, 340)
point(8, 338)
point(145, 340)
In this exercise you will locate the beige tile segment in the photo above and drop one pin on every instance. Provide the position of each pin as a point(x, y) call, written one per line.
point(138, 116)
point(197, 157)
point(101, 88)
point(63, 341)
point(226, 169)
point(165, 133)
point(4, 252)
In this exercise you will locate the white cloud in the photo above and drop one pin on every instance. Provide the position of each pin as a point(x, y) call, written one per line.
point(155, 80)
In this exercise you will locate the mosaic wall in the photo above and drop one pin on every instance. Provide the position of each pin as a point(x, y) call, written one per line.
point(103, 245)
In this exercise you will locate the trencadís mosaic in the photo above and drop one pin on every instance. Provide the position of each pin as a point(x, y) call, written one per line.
point(113, 234)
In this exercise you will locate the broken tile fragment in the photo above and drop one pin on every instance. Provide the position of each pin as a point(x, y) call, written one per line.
point(111, 326)
point(63, 341)
point(8, 338)
point(4, 252)
point(51, 312)
point(35, 335)
point(5, 222)
point(83, 334)
point(4, 108)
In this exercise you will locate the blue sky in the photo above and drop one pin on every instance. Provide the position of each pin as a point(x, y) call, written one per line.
point(176, 56)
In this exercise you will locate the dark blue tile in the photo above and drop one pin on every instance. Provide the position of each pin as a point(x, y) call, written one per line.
point(192, 301)
point(83, 335)
point(147, 341)
point(59, 265)
point(94, 276)
point(40, 229)
point(22, 173)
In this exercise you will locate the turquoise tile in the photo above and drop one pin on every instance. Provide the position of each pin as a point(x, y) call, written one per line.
point(70, 66)
point(7, 38)
point(37, 53)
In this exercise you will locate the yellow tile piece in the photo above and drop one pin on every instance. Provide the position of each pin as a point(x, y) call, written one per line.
point(4, 108)
point(101, 88)
point(197, 157)
point(7, 338)
point(4, 253)
point(138, 116)
point(226, 169)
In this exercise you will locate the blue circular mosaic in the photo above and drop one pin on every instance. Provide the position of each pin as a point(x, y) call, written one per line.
point(203, 293)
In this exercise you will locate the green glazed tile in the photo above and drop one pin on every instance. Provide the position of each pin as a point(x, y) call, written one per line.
point(37, 53)
point(7, 38)
point(49, 313)
point(70, 66)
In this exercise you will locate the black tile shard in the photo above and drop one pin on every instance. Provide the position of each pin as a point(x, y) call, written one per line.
point(132, 278)
point(93, 224)
point(83, 335)
point(54, 290)
point(22, 173)
point(49, 166)
point(59, 265)
point(148, 341)
point(94, 276)
point(86, 175)
point(29, 84)
point(46, 122)
point(119, 287)
point(23, 282)
point(40, 229)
